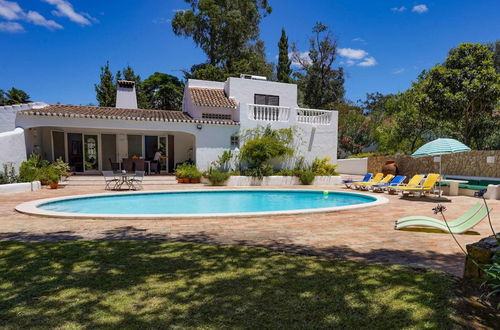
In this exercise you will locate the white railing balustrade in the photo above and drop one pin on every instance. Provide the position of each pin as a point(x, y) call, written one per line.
point(314, 117)
point(268, 112)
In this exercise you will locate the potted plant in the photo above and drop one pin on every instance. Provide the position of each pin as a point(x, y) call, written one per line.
point(54, 181)
point(194, 174)
point(181, 174)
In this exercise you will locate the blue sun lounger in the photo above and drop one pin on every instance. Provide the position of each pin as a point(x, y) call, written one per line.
point(349, 183)
point(394, 182)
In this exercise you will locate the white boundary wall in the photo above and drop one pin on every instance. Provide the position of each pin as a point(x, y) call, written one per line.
point(12, 148)
point(279, 181)
point(357, 166)
point(19, 187)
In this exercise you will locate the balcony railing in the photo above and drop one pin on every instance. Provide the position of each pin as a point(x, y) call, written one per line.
point(268, 112)
point(314, 117)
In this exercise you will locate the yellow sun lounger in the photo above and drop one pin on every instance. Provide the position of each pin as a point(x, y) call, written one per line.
point(376, 179)
point(385, 180)
point(428, 185)
point(414, 182)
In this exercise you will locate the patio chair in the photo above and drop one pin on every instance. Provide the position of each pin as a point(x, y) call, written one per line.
point(114, 166)
point(128, 164)
point(376, 179)
point(110, 179)
point(457, 226)
point(139, 165)
point(414, 182)
point(136, 181)
point(349, 183)
point(397, 180)
point(427, 186)
point(368, 185)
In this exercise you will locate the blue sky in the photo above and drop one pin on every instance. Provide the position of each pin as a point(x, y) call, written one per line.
point(52, 49)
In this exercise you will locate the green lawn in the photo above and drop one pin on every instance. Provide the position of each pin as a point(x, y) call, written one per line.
point(140, 284)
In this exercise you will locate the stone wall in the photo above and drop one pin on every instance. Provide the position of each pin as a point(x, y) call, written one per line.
point(471, 163)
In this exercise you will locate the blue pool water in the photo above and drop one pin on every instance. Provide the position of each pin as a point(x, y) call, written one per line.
point(198, 202)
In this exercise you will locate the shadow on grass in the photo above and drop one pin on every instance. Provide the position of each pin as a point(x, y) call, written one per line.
point(140, 284)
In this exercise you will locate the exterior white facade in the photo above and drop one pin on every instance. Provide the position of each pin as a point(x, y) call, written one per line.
point(209, 130)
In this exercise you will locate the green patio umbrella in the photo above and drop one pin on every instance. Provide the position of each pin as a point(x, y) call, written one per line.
point(441, 146)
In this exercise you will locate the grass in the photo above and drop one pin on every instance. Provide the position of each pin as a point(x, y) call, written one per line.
point(140, 284)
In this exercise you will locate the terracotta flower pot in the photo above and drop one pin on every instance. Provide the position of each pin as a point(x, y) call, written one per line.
point(53, 185)
point(195, 180)
point(180, 180)
point(186, 180)
point(390, 167)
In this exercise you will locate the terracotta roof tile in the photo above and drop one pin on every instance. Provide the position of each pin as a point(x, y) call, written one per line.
point(211, 97)
point(77, 111)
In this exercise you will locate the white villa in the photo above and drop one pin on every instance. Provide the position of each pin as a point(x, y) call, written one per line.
point(213, 115)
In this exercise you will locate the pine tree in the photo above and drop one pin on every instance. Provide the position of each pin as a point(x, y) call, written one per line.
point(284, 70)
point(106, 89)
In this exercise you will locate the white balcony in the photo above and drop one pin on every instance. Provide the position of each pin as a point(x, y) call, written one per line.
point(314, 117)
point(268, 113)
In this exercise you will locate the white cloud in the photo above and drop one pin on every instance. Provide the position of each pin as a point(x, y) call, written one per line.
point(11, 27)
point(161, 21)
point(398, 71)
point(355, 54)
point(420, 9)
point(10, 10)
point(368, 61)
point(65, 9)
point(360, 40)
point(398, 9)
point(37, 19)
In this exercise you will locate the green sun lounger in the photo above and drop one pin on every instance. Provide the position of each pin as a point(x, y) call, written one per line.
point(460, 225)
point(453, 223)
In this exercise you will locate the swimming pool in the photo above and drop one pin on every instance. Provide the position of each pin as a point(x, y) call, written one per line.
point(198, 203)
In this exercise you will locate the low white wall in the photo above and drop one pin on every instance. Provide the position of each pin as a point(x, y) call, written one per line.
point(280, 181)
point(19, 187)
point(357, 166)
point(12, 148)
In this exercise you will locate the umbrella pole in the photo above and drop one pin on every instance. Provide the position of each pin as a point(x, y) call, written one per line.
point(440, 173)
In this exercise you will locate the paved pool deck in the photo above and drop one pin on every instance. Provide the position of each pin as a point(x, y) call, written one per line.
point(360, 234)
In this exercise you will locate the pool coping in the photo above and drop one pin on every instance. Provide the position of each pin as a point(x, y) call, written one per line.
point(32, 207)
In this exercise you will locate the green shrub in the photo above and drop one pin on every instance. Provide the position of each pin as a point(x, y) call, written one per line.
point(263, 144)
point(216, 177)
point(306, 177)
point(320, 167)
point(9, 174)
point(62, 168)
point(284, 172)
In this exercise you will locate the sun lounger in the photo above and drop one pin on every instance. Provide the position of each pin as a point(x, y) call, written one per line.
point(368, 185)
point(457, 226)
point(349, 183)
point(414, 182)
point(427, 186)
point(453, 223)
point(376, 179)
point(397, 180)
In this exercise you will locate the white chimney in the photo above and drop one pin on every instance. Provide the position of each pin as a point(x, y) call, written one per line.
point(125, 94)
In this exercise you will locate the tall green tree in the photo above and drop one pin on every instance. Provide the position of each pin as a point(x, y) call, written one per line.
point(284, 63)
point(464, 91)
point(163, 91)
point(15, 96)
point(106, 89)
point(221, 28)
point(495, 47)
point(322, 85)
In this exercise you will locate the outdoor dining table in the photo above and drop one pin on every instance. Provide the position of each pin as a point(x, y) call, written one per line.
point(124, 178)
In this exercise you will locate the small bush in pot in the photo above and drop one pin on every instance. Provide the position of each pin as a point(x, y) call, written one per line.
point(194, 174)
